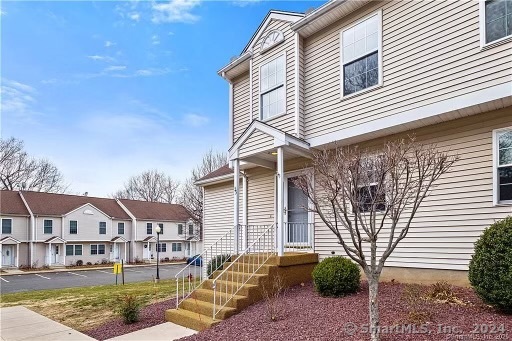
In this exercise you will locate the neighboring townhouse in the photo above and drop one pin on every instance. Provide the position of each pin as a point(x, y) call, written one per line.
point(365, 72)
point(15, 240)
point(179, 235)
point(59, 229)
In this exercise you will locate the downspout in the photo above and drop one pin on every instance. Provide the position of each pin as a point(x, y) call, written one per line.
point(32, 233)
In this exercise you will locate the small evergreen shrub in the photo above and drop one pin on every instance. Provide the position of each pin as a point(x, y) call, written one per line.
point(79, 262)
point(129, 309)
point(336, 276)
point(490, 269)
point(216, 263)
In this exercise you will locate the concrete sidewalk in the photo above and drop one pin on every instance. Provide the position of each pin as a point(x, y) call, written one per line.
point(162, 332)
point(10, 272)
point(20, 323)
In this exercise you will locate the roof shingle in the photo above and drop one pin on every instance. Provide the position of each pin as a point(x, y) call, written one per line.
point(224, 170)
point(11, 203)
point(146, 210)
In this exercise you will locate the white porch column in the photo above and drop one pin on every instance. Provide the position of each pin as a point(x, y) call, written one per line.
point(125, 255)
point(280, 202)
point(244, 211)
point(49, 254)
point(1, 255)
point(236, 196)
point(64, 253)
point(17, 254)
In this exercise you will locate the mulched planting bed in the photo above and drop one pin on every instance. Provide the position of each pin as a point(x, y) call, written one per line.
point(150, 315)
point(307, 316)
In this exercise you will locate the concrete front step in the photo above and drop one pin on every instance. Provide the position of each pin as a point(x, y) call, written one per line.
point(231, 287)
point(248, 267)
point(206, 308)
point(190, 319)
point(234, 276)
point(236, 301)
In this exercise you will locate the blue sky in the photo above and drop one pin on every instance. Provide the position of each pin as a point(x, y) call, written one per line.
point(108, 89)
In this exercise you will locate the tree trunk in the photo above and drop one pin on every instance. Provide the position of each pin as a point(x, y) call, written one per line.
point(373, 284)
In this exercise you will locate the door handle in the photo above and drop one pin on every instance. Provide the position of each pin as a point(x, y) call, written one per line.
point(285, 211)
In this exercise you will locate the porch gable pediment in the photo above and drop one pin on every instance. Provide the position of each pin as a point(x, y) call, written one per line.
point(9, 240)
point(266, 137)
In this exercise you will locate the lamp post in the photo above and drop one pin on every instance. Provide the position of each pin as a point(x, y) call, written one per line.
point(158, 230)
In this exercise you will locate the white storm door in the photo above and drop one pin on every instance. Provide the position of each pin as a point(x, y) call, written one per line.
point(7, 255)
point(296, 216)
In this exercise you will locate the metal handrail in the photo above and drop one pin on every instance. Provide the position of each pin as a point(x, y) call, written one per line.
point(223, 245)
point(298, 236)
point(262, 246)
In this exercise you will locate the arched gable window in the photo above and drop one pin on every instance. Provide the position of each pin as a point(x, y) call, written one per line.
point(271, 39)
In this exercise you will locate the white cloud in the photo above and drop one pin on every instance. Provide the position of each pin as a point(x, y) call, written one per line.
point(195, 120)
point(155, 40)
point(17, 99)
point(134, 16)
point(2, 12)
point(175, 11)
point(243, 3)
point(115, 68)
point(151, 72)
point(101, 58)
point(109, 43)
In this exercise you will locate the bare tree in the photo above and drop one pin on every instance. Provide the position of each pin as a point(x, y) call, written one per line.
point(191, 195)
point(368, 199)
point(19, 171)
point(150, 185)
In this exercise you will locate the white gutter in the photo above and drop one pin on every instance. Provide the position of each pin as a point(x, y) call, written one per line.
point(215, 180)
point(316, 14)
point(234, 63)
point(32, 229)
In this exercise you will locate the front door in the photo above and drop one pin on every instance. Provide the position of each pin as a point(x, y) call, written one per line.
point(8, 255)
point(296, 217)
point(117, 248)
point(55, 254)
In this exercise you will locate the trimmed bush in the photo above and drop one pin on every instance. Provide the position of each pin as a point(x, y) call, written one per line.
point(490, 269)
point(336, 276)
point(129, 309)
point(79, 262)
point(216, 263)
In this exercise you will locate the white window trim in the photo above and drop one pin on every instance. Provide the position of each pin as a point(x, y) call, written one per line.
point(481, 24)
point(263, 50)
point(52, 226)
point(99, 227)
point(11, 224)
point(161, 243)
point(152, 230)
point(495, 159)
point(69, 230)
point(176, 243)
point(124, 227)
point(260, 101)
point(74, 249)
point(178, 227)
point(379, 56)
point(97, 250)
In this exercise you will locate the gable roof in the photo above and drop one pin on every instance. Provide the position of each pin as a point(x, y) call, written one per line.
point(11, 203)
point(60, 204)
point(146, 210)
point(222, 171)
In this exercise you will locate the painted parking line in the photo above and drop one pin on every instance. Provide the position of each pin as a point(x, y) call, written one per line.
point(105, 272)
point(3, 279)
point(76, 274)
point(134, 271)
point(42, 276)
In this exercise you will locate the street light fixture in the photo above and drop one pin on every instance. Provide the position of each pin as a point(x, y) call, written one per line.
point(158, 230)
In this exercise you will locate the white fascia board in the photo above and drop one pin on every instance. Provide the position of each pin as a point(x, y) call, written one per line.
point(424, 112)
point(244, 57)
point(316, 14)
point(215, 180)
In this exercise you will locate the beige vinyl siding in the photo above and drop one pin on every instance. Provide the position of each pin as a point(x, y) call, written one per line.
point(261, 196)
point(258, 141)
point(431, 52)
point(20, 227)
point(218, 212)
point(453, 217)
point(56, 228)
point(241, 118)
point(88, 225)
point(286, 122)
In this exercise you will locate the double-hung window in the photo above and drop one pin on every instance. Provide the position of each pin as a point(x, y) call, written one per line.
point(120, 228)
point(6, 226)
point(161, 227)
point(149, 228)
point(73, 250)
point(73, 227)
point(190, 229)
point(162, 247)
point(361, 55)
point(272, 88)
point(495, 20)
point(369, 192)
point(503, 164)
point(176, 247)
point(180, 228)
point(48, 226)
point(97, 249)
point(103, 227)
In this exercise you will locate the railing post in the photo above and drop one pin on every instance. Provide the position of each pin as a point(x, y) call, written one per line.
point(236, 202)
point(280, 201)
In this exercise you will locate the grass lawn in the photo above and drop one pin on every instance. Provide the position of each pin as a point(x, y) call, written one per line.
point(87, 307)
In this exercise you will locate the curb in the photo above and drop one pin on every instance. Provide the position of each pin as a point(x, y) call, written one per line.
point(20, 272)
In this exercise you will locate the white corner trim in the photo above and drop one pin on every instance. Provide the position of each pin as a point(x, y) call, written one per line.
point(231, 116)
point(297, 72)
point(427, 111)
point(250, 92)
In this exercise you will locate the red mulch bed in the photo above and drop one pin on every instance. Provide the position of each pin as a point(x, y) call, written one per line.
point(150, 315)
point(308, 316)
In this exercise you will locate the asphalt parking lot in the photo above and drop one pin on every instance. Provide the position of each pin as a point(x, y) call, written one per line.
point(83, 278)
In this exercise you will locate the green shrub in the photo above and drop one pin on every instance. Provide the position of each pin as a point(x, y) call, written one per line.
point(216, 263)
point(336, 276)
point(490, 269)
point(129, 309)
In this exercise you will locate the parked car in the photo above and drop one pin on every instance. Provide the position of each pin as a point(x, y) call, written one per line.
point(196, 260)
